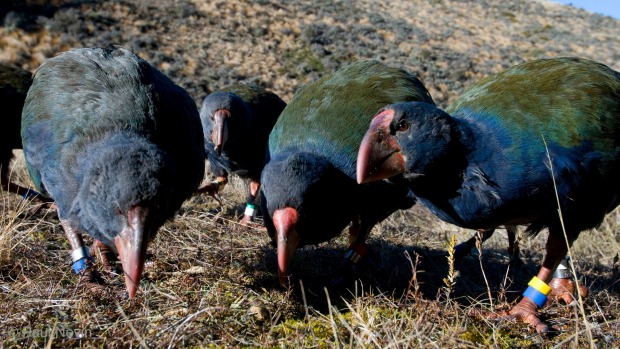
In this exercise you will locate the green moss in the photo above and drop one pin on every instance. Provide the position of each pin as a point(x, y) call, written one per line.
point(498, 338)
point(314, 332)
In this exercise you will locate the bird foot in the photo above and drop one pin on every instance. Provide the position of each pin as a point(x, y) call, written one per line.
point(92, 281)
point(525, 311)
point(211, 189)
point(106, 256)
point(565, 289)
point(248, 221)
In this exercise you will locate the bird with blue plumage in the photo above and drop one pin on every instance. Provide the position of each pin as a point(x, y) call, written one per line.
point(309, 194)
point(117, 145)
point(236, 122)
point(500, 154)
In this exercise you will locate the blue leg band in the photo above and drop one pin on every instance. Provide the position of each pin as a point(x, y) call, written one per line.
point(81, 260)
point(536, 296)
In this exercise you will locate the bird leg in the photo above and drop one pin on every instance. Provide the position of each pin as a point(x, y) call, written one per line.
point(250, 207)
point(105, 255)
point(356, 251)
point(213, 188)
point(513, 245)
point(526, 309)
point(357, 247)
point(562, 285)
point(82, 261)
point(464, 248)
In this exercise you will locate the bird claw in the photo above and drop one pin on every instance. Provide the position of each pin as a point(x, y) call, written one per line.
point(90, 277)
point(525, 311)
point(211, 189)
point(249, 222)
point(106, 256)
point(565, 289)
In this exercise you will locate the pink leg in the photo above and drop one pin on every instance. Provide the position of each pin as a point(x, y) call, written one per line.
point(88, 275)
point(513, 245)
point(526, 309)
point(562, 285)
point(248, 216)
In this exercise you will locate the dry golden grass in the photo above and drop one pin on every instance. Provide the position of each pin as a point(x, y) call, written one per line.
point(212, 283)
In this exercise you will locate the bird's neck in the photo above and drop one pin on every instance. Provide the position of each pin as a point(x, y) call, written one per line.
point(443, 178)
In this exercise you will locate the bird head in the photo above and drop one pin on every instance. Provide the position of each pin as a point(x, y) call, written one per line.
point(305, 200)
point(223, 115)
point(409, 138)
point(124, 199)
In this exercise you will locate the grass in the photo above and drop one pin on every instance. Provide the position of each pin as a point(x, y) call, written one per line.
point(212, 283)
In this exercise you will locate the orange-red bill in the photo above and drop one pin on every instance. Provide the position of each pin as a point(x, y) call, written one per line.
point(287, 238)
point(131, 244)
point(220, 130)
point(379, 156)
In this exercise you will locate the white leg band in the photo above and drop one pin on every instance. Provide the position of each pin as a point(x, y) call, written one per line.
point(562, 271)
point(79, 253)
point(249, 210)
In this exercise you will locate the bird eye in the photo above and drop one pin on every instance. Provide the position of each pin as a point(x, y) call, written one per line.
point(403, 125)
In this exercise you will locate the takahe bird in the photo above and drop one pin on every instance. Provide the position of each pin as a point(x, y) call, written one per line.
point(14, 84)
point(309, 193)
point(498, 155)
point(236, 123)
point(117, 145)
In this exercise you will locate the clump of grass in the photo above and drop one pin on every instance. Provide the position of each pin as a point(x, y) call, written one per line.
point(450, 280)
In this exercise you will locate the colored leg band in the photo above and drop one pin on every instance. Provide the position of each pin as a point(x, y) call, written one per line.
point(562, 271)
point(81, 259)
point(540, 286)
point(537, 291)
point(216, 184)
point(250, 209)
point(535, 295)
point(356, 252)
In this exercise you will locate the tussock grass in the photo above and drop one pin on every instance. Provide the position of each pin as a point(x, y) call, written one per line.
point(210, 282)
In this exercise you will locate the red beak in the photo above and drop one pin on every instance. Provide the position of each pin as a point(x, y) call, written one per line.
point(131, 244)
point(379, 156)
point(220, 130)
point(287, 238)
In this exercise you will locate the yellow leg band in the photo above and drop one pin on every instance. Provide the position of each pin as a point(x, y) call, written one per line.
point(540, 286)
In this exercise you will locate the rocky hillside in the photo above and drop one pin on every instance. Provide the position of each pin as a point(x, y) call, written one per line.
point(205, 45)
